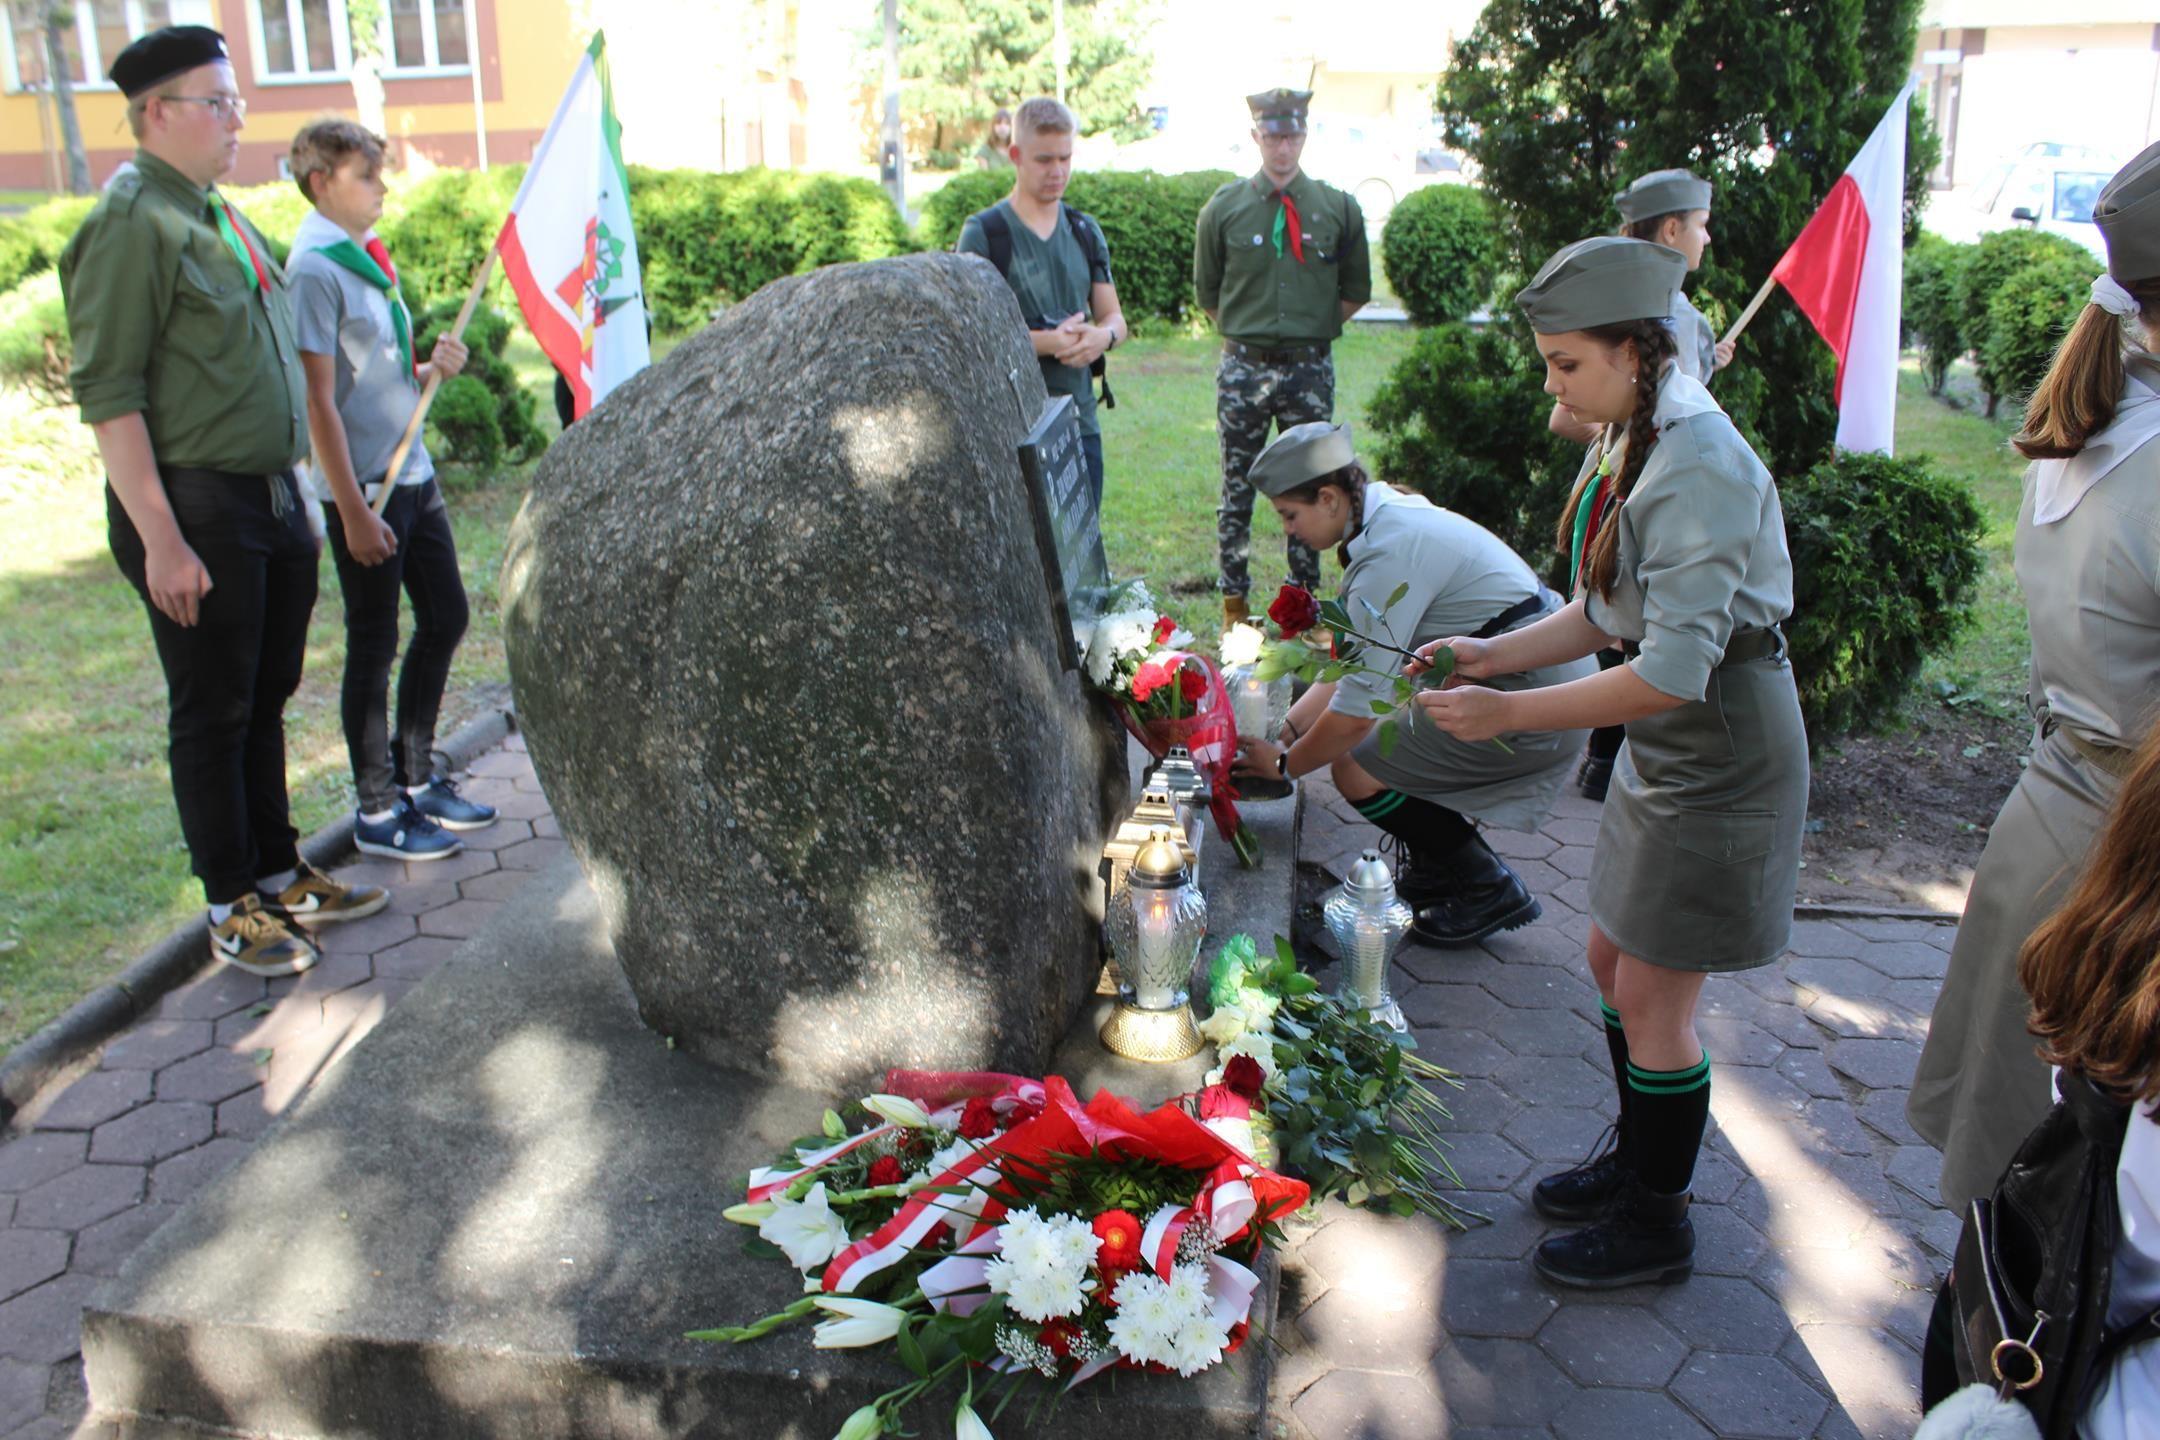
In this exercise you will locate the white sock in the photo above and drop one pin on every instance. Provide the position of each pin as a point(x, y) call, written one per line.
point(275, 884)
point(219, 914)
point(378, 816)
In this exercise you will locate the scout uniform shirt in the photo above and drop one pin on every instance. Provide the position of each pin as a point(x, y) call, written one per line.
point(168, 323)
point(1051, 279)
point(1269, 300)
point(1695, 340)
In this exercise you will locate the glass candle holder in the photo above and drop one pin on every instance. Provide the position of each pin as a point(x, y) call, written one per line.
point(1368, 922)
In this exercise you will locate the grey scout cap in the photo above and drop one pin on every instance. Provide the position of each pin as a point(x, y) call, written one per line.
point(2128, 214)
point(1301, 454)
point(1602, 281)
point(1279, 111)
point(1662, 192)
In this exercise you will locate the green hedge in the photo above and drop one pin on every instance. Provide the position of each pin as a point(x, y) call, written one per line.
point(2028, 318)
point(1147, 218)
point(34, 344)
point(1933, 317)
point(1886, 556)
point(1441, 251)
point(482, 414)
point(2000, 255)
point(32, 241)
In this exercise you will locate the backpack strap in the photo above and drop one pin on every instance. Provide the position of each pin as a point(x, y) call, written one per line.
point(998, 236)
point(1087, 231)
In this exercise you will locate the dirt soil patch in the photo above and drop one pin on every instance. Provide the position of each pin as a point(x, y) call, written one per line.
point(1899, 819)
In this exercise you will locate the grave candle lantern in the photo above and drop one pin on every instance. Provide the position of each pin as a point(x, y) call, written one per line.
point(1368, 921)
point(1156, 931)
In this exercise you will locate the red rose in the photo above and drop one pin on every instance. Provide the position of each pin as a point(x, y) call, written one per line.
point(1057, 1337)
point(885, 1170)
point(1294, 610)
point(977, 1120)
point(1194, 685)
point(1164, 626)
point(1244, 1076)
point(1220, 1102)
point(1117, 1242)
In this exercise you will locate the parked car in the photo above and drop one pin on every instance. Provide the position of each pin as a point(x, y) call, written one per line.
point(2049, 187)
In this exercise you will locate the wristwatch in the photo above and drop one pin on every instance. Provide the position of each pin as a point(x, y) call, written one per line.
point(1282, 763)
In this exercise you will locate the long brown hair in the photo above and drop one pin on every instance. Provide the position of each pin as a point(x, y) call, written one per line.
point(2076, 399)
point(1654, 345)
point(2093, 967)
point(1647, 228)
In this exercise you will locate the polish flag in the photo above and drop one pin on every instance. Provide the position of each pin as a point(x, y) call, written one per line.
point(1846, 273)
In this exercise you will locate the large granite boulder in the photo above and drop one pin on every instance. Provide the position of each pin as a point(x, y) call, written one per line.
point(781, 642)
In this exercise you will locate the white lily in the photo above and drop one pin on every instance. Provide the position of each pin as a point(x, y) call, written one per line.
point(864, 1424)
point(806, 1230)
point(967, 1425)
point(748, 1214)
point(897, 1110)
point(860, 1322)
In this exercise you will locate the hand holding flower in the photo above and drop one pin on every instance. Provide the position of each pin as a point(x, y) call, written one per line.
point(1468, 712)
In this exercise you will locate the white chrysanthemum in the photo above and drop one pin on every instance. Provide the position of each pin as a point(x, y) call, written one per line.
point(1225, 1025)
point(1197, 1346)
point(1042, 1265)
point(1187, 1288)
point(1126, 635)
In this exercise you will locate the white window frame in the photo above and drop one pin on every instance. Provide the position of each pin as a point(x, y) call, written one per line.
point(185, 12)
point(429, 64)
point(340, 46)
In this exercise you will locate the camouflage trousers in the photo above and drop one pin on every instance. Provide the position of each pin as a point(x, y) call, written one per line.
point(1251, 400)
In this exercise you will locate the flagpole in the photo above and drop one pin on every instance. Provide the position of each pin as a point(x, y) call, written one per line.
point(427, 394)
point(1749, 313)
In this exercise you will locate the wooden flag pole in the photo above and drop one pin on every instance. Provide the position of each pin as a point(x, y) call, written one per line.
point(427, 395)
point(1749, 313)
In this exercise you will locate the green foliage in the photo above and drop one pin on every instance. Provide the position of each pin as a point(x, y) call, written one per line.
point(276, 209)
point(33, 240)
point(1147, 219)
point(1441, 251)
point(1933, 315)
point(1562, 102)
point(2000, 255)
point(34, 344)
point(961, 59)
point(2027, 319)
point(1886, 557)
point(439, 230)
point(490, 415)
point(1461, 419)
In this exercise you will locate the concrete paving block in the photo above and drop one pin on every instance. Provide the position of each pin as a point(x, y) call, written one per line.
point(1716, 1177)
point(31, 1160)
point(1500, 1298)
point(1521, 844)
point(245, 1116)
point(1575, 894)
point(1475, 1106)
point(1543, 987)
point(1824, 937)
point(175, 1181)
point(459, 921)
point(1916, 997)
point(503, 764)
point(1736, 1042)
point(293, 1066)
point(100, 1096)
point(496, 885)
point(1926, 932)
point(1572, 861)
point(1573, 831)
point(342, 967)
point(1541, 943)
point(1513, 1230)
point(1435, 1007)
point(1726, 1243)
point(1724, 1312)
point(420, 897)
point(1544, 1032)
point(152, 1133)
point(28, 1258)
point(1869, 1371)
point(1485, 1163)
point(1906, 960)
point(522, 804)
point(104, 1247)
point(1557, 1080)
point(357, 937)
point(1919, 1169)
point(22, 1395)
point(1371, 1405)
point(498, 836)
point(1810, 1070)
point(44, 1326)
point(153, 1044)
point(1836, 975)
point(1377, 1255)
point(546, 827)
point(210, 1077)
point(417, 958)
point(1750, 1395)
point(1446, 967)
point(1865, 1017)
point(455, 868)
point(1359, 1328)
point(1877, 1064)
point(1539, 877)
point(213, 997)
point(1489, 1381)
point(1466, 1052)
point(1637, 1414)
point(1833, 1125)
point(82, 1196)
point(1558, 1135)
point(1622, 1345)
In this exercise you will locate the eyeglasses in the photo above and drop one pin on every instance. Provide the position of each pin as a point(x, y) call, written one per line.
point(224, 107)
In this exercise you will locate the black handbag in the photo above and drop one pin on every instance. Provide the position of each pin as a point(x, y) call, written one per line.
point(2029, 1284)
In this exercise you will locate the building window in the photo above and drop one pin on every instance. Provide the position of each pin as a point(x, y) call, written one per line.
point(101, 30)
point(301, 39)
point(426, 35)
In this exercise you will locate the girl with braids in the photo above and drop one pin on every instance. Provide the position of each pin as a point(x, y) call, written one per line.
point(1682, 560)
point(2088, 559)
point(1430, 790)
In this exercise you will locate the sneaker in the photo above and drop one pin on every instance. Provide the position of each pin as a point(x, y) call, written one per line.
point(406, 835)
point(440, 802)
point(316, 899)
point(255, 938)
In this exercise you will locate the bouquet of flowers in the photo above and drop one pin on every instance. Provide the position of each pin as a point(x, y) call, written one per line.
point(1334, 1096)
point(1017, 1236)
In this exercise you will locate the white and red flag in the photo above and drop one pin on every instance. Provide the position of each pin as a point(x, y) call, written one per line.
point(568, 247)
point(1846, 273)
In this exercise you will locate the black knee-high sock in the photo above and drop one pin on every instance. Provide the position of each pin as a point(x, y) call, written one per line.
point(1429, 830)
point(1616, 1046)
point(1666, 1115)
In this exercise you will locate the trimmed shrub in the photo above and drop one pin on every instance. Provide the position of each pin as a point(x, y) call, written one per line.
point(2028, 318)
point(1441, 251)
point(276, 209)
point(464, 414)
point(1999, 255)
point(440, 228)
point(509, 431)
point(33, 240)
point(946, 211)
point(1886, 555)
point(1933, 318)
point(1461, 419)
point(34, 345)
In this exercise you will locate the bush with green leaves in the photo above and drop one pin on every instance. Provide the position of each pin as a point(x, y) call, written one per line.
point(1933, 316)
point(508, 429)
point(33, 240)
point(440, 228)
point(2000, 255)
point(1147, 219)
point(34, 344)
point(1462, 420)
point(1886, 556)
point(2028, 318)
point(1441, 251)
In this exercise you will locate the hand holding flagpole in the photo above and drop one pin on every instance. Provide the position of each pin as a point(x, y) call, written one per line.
point(434, 383)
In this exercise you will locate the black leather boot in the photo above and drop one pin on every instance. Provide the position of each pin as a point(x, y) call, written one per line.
point(1586, 1192)
point(1647, 1238)
point(1488, 898)
point(1419, 881)
point(1594, 776)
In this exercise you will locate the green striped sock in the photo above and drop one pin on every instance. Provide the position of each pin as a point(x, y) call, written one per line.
point(1667, 1110)
point(1616, 1046)
point(1380, 804)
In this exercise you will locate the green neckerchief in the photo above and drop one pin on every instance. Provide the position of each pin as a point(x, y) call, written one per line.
point(239, 247)
point(1583, 508)
point(362, 264)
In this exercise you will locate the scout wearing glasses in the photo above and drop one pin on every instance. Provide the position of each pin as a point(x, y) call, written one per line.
point(187, 369)
point(1279, 263)
point(1698, 851)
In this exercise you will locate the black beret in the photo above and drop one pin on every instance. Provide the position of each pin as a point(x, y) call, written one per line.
point(162, 54)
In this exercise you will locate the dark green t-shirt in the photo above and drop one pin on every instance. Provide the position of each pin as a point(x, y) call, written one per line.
point(1052, 279)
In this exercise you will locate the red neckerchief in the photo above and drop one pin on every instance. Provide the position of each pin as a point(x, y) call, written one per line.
point(1293, 225)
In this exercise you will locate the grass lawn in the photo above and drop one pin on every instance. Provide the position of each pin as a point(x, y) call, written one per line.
point(91, 865)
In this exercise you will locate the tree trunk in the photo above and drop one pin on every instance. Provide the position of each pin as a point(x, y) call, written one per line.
point(57, 19)
point(367, 88)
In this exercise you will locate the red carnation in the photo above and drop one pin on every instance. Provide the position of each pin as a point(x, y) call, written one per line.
point(1117, 1237)
point(1058, 1336)
point(1294, 610)
point(1193, 684)
point(1149, 678)
point(977, 1120)
point(885, 1170)
point(1164, 626)
point(1244, 1076)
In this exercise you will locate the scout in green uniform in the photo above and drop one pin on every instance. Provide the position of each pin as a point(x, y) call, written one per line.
point(1279, 262)
point(187, 370)
point(1698, 849)
point(1432, 790)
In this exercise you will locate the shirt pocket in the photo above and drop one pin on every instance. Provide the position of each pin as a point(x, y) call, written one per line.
point(1323, 238)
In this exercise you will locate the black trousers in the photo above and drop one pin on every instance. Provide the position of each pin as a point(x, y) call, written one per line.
point(425, 568)
point(230, 674)
point(1605, 741)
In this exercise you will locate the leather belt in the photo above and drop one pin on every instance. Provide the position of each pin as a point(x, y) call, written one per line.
point(1508, 619)
point(281, 499)
point(1282, 355)
point(2113, 759)
point(1745, 647)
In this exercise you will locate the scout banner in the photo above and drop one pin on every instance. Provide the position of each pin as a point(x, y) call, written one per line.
point(567, 245)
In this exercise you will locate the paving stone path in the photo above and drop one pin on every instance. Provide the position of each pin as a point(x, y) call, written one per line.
point(1818, 1232)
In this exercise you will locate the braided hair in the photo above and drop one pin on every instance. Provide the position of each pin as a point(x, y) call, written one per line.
point(1654, 345)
